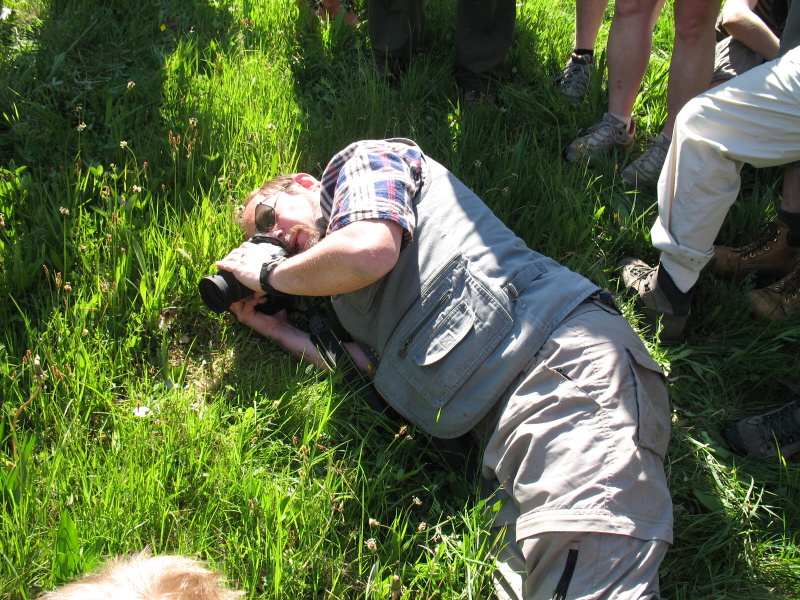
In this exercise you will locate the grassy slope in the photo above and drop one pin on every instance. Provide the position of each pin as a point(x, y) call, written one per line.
point(130, 132)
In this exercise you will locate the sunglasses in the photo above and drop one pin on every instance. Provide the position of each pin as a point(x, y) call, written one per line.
point(265, 213)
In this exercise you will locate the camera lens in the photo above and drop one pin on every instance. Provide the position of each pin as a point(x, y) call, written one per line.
point(221, 290)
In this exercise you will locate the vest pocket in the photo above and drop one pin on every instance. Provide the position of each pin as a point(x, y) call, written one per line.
point(443, 338)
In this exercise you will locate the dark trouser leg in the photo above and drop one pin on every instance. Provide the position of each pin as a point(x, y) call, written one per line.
point(484, 29)
point(395, 28)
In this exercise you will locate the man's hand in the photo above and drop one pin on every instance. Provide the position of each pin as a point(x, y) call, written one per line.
point(245, 262)
point(278, 328)
point(267, 325)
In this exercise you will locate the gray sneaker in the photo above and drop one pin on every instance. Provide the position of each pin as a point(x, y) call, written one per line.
point(574, 80)
point(770, 435)
point(599, 139)
point(657, 297)
point(645, 170)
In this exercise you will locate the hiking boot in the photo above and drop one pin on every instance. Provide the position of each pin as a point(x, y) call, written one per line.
point(599, 139)
point(574, 80)
point(770, 435)
point(770, 254)
point(657, 297)
point(645, 170)
point(779, 300)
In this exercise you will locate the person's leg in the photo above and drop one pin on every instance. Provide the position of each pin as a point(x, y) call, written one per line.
point(592, 565)
point(577, 565)
point(484, 30)
point(690, 73)
point(588, 18)
point(790, 202)
point(328, 10)
point(782, 298)
point(692, 64)
point(574, 79)
point(395, 29)
point(753, 118)
point(579, 446)
point(629, 43)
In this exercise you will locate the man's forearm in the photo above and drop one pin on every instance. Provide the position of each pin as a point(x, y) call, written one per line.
point(748, 28)
point(347, 260)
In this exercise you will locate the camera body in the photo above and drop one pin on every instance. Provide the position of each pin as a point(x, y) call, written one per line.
point(221, 290)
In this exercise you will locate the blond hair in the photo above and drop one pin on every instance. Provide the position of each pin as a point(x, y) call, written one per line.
point(146, 577)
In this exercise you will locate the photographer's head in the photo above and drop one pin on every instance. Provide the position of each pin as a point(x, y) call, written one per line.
point(287, 207)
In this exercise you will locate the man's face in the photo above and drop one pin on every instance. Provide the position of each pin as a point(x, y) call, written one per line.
point(293, 217)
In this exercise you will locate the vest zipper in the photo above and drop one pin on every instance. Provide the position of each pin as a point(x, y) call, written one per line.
point(446, 297)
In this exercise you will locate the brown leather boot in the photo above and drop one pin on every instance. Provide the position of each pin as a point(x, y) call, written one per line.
point(779, 300)
point(770, 254)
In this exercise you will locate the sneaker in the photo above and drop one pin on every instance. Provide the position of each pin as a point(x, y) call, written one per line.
point(657, 297)
point(770, 435)
point(770, 254)
point(779, 300)
point(645, 170)
point(599, 139)
point(574, 80)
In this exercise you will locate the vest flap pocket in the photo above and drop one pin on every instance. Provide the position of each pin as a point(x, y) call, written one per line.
point(449, 331)
point(443, 338)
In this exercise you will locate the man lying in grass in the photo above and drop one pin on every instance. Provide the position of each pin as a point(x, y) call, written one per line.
point(468, 330)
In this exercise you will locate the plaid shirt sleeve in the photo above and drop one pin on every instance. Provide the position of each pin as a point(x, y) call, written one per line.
point(373, 180)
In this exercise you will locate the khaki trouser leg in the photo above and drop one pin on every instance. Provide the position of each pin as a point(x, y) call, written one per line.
point(754, 118)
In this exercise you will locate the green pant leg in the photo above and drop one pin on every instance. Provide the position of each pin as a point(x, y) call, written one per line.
point(484, 29)
point(395, 27)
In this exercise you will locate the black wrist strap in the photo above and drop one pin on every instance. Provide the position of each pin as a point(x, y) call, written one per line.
point(263, 279)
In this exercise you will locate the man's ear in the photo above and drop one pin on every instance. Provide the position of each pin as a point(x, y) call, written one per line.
point(307, 181)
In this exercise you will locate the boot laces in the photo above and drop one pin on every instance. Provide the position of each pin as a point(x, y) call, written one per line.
point(789, 286)
point(768, 235)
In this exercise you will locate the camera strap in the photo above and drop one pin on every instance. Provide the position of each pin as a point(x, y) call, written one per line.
point(337, 358)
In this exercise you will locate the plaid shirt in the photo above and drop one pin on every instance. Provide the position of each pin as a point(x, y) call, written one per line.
point(373, 179)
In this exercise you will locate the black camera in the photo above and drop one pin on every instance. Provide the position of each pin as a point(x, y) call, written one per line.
point(223, 289)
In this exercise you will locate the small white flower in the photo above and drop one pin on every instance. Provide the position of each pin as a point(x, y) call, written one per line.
point(123, 144)
point(141, 411)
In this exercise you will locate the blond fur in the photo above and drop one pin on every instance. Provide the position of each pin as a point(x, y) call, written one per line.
point(146, 577)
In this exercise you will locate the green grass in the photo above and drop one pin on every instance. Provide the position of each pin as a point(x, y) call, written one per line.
point(129, 133)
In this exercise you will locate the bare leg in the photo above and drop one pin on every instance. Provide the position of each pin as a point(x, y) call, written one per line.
point(588, 18)
point(791, 188)
point(629, 45)
point(692, 64)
